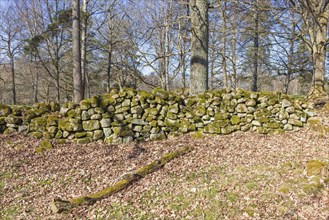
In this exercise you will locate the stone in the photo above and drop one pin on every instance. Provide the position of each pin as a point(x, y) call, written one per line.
point(235, 120)
point(98, 134)
point(107, 132)
point(295, 122)
point(251, 102)
point(4, 110)
point(290, 110)
point(91, 125)
point(105, 122)
point(212, 129)
point(227, 96)
point(96, 117)
point(285, 103)
point(256, 123)
point(287, 127)
point(241, 108)
point(294, 116)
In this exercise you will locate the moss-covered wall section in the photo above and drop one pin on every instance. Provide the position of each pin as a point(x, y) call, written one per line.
point(123, 116)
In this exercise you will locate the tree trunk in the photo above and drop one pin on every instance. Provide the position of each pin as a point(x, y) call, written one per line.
point(199, 46)
point(84, 47)
point(225, 80)
point(108, 71)
point(76, 46)
point(234, 53)
point(13, 78)
point(60, 205)
point(256, 45)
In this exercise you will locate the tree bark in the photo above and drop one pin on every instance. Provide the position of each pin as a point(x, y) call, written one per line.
point(13, 78)
point(254, 87)
point(199, 46)
point(76, 46)
point(84, 47)
point(225, 79)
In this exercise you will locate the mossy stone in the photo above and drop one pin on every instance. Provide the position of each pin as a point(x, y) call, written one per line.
point(107, 132)
point(200, 110)
point(164, 95)
point(235, 120)
point(98, 134)
point(72, 124)
point(36, 134)
point(295, 122)
point(137, 110)
point(80, 134)
point(105, 122)
point(12, 119)
point(52, 130)
point(44, 146)
point(122, 131)
point(263, 130)
point(106, 102)
point(91, 125)
point(83, 140)
point(241, 108)
point(316, 167)
point(59, 134)
point(52, 120)
point(290, 110)
point(174, 108)
point(229, 129)
point(212, 128)
point(38, 124)
point(152, 111)
point(85, 104)
point(272, 125)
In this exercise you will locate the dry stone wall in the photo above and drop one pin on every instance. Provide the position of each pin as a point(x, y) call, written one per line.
point(127, 115)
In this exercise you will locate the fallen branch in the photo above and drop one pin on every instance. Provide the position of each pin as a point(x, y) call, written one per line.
point(59, 205)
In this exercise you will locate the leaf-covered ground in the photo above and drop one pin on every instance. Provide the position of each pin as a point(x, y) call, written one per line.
point(237, 176)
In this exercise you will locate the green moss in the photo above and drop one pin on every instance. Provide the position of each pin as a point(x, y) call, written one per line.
point(164, 95)
point(235, 120)
point(12, 119)
point(52, 120)
point(231, 196)
point(273, 125)
point(197, 135)
point(38, 124)
point(212, 128)
point(44, 146)
point(83, 140)
point(315, 167)
point(91, 125)
point(221, 116)
point(122, 131)
point(80, 134)
point(200, 110)
point(36, 134)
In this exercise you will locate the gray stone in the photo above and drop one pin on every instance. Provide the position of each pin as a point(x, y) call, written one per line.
point(105, 122)
point(287, 127)
point(107, 132)
point(290, 110)
point(285, 103)
point(256, 123)
point(96, 117)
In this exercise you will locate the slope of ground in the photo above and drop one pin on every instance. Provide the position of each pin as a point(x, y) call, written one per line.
point(237, 176)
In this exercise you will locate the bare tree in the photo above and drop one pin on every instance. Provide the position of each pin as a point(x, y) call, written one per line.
point(9, 35)
point(315, 16)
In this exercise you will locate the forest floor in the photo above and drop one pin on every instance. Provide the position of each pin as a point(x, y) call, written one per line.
point(236, 176)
